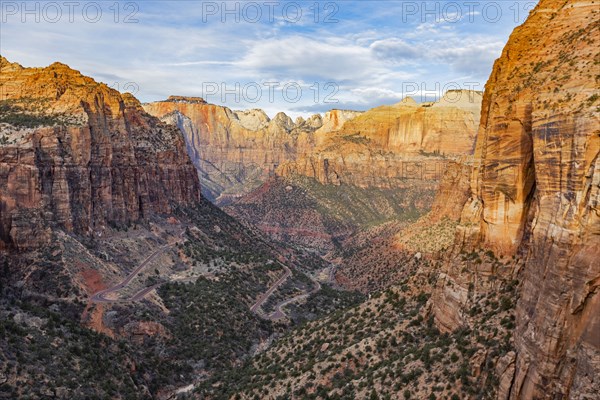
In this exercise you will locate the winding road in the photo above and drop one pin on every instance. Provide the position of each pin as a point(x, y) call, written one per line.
point(101, 296)
point(279, 313)
point(261, 300)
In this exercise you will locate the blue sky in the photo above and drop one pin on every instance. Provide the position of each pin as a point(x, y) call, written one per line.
point(299, 57)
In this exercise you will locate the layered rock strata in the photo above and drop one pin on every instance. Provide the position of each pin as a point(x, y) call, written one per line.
point(81, 156)
point(237, 151)
point(535, 194)
point(390, 144)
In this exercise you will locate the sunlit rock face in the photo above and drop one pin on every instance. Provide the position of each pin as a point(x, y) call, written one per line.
point(81, 156)
point(387, 145)
point(237, 151)
point(534, 195)
point(246, 161)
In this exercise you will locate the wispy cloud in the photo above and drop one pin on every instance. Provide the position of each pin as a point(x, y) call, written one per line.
point(370, 53)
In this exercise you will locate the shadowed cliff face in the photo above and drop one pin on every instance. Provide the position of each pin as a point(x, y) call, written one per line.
point(79, 155)
point(535, 192)
point(237, 151)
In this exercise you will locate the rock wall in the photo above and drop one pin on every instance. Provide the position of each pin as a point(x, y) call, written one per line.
point(535, 193)
point(447, 126)
point(237, 151)
point(80, 156)
point(390, 144)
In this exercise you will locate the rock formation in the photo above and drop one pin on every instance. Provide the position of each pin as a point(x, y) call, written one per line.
point(535, 191)
point(391, 144)
point(400, 150)
point(236, 151)
point(80, 156)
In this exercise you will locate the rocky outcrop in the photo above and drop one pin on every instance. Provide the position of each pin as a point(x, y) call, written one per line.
point(535, 192)
point(391, 144)
point(333, 120)
point(453, 192)
point(448, 126)
point(237, 151)
point(80, 156)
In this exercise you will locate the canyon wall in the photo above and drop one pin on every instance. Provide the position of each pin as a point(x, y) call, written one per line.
point(315, 182)
point(80, 156)
point(534, 197)
point(389, 145)
point(237, 151)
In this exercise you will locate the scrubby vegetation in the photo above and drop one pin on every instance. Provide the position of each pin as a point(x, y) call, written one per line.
point(323, 302)
point(187, 331)
point(329, 213)
point(30, 113)
point(210, 323)
point(429, 238)
point(386, 348)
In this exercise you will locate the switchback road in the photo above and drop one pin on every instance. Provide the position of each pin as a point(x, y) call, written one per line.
point(101, 296)
point(261, 300)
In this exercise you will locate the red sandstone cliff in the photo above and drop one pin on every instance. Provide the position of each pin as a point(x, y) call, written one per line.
point(535, 193)
point(78, 155)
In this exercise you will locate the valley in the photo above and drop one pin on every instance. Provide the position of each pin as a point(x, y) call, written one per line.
point(180, 249)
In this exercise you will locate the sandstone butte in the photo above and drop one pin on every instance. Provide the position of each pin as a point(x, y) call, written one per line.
point(97, 160)
point(535, 194)
point(236, 151)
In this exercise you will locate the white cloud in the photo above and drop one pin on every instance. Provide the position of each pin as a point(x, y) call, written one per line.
point(395, 50)
point(303, 56)
point(471, 56)
point(171, 51)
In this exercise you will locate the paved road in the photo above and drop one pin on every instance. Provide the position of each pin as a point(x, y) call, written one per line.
point(100, 297)
point(261, 300)
point(279, 313)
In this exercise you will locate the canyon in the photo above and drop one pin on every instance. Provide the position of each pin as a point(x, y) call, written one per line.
point(316, 182)
point(445, 249)
point(107, 249)
point(524, 222)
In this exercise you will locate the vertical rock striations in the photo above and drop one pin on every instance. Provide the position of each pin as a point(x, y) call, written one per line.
point(535, 194)
point(388, 145)
point(81, 156)
point(237, 151)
